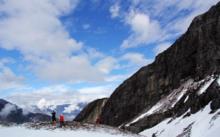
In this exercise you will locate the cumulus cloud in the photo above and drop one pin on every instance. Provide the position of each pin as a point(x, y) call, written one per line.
point(145, 30)
point(35, 30)
point(8, 108)
point(154, 22)
point(71, 108)
point(58, 95)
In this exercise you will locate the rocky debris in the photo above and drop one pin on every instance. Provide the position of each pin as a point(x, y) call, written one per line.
point(186, 131)
point(72, 125)
point(91, 112)
point(195, 55)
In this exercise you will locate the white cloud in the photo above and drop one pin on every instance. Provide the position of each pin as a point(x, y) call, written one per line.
point(57, 95)
point(35, 29)
point(161, 47)
point(71, 108)
point(144, 30)
point(8, 78)
point(136, 59)
point(107, 64)
point(72, 69)
point(8, 108)
point(114, 10)
point(159, 21)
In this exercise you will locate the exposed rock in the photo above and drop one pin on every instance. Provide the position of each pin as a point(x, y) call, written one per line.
point(91, 112)
point(195, 55)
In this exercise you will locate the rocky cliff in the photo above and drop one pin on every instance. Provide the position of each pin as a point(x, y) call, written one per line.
point(92, 111)
point(194, 58)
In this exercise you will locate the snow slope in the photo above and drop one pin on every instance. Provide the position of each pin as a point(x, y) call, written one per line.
point(174, 97)
point(165, 103)
point(21, 131)
point(201, 124)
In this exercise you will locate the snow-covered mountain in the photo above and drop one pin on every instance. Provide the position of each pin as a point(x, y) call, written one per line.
point(70, 111)
point(12, 113)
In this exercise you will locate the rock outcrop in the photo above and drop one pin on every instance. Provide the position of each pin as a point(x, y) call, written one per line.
point(195, 55)
point(91, 112)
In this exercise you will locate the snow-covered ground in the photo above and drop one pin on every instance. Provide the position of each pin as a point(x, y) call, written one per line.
point(201, 124)
point(22, 131)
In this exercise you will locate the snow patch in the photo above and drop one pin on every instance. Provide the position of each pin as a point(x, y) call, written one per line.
point(186, 99)
point(218, 81)
point(205, 86)
point(200, 124)
point(165, 103)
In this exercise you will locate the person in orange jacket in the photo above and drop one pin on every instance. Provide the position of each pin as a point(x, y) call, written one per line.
point(61, 120)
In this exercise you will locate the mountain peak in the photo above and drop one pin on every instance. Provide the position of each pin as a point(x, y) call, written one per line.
point(195, 55)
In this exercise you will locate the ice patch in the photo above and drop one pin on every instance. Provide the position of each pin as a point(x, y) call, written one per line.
point(205, 87)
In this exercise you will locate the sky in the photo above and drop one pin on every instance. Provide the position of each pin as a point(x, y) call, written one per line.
point(70, 51)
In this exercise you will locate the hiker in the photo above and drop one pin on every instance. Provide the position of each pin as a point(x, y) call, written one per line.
point(98, 120)
point(61, 120)
point(54, 118)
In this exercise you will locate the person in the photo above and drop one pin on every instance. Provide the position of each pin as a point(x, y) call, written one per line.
point(98, 120)
point(61, 120)
point(54, 118)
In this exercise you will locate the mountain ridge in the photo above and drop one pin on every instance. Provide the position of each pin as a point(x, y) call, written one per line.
point(185, 76)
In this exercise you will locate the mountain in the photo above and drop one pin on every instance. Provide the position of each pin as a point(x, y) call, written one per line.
point(70, 111)
point(92, 111)
point(11, 113)
point(181, 82)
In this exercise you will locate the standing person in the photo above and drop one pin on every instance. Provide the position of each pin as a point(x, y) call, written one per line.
point(98, 120)
point(61, 120)
point(54, 118)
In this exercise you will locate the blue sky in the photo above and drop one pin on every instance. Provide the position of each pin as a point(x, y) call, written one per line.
point(69, 51)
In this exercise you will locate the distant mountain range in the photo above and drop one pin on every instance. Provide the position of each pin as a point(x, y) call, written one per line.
point(11, 113)
point(70, 111)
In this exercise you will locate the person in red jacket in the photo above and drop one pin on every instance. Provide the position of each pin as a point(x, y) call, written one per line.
point(98, 120)
point(61, 120)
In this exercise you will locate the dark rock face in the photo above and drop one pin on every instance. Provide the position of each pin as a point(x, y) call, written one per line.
point(191, 103)
point(10, 113)
point(195, 55)
point(91, 112)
